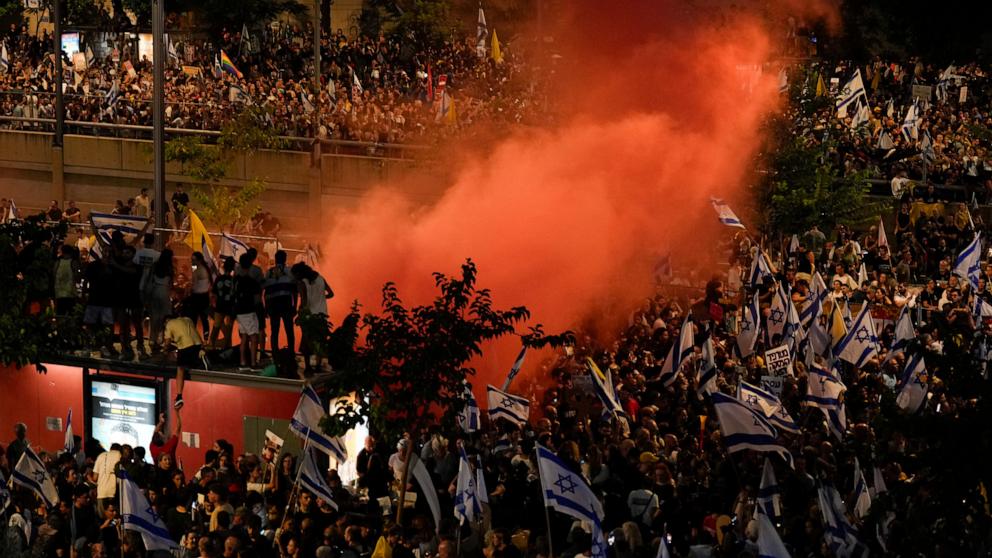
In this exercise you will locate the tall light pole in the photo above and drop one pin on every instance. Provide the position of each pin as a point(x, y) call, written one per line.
point(59, 101)
point(158, 114)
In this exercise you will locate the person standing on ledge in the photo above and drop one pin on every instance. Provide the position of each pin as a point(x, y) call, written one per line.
point(182, 333)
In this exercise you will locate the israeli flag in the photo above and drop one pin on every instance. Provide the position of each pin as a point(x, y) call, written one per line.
point(306, 424)
point(517, 365)
point(911, 122)
point(862, 499)
point(128, 225)
point(138, 515)
point(110, 100)
point(750, 326)
point(851, 93)
point(769, 543)
point(759, 269)
point(744, 429)
point(726, 215)
point(982, 309)
point(818, 293)
point(312, 479)
point(70, 442)
point(968, 265)
point(469, 418)
point(467, 505)
point(602, 384)
point(567, 492)
point(4, 495)
point(905, 334)
point(4, 59)
point(824, 392)
point(913, 386)
point(663, 549)
point(706, 378)
point(777, 315)
point(680, 351)
point(861, 341)
point(32, 474)
point(769, 493)
point(481, 492)
point(838, 533)
point(768, 405)
point(231, 247)
point(12, 211)
point(507, 406)
point(423, 478)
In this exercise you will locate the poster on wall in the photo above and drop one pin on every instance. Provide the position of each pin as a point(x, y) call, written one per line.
point(122, 413)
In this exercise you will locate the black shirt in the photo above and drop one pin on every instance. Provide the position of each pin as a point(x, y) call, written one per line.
point(179, 201)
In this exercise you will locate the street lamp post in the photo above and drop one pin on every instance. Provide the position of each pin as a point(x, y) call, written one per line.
point(59, 100)
point(158, 115)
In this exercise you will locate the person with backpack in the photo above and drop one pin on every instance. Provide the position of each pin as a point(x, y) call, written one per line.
point(280, 294)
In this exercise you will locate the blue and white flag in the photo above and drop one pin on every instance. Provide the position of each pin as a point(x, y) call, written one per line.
point(759, 269)
point(911, 123)
point(602, 384)
point(777, 315)
point(481, 492)
point(968, 265)
point(861, 341)
point(312, 479)
point(567, 492)
point(419, 473)
point(110, 100)
point(32, 474)
point(129, 225)
point(507, 406)
point(769, 493)
point(4, 494)
point(750, 327)
point(814, 307)
point(862, 498)
point(768, 405)
point(726, 215)
point(469, 418)
point(69, 445)
point(306, 424)
point(515, 369)
point(4, 59)
point(911, 393)
point(744, 429)
point(838, 533)
point(905, 333)
point(663, 549)
point(706, 378)
point(983, 310)
point(851, 95)
point(138, 515)
point(481, 34)
point(769, 543)
point(231, 247)
point(467, 505)
point(677, 355)
point(824, 391)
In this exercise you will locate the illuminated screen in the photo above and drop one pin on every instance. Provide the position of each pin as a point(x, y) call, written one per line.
point(123, 414)
point(70, 43)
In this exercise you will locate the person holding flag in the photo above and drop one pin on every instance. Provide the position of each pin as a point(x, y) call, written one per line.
point(567, 492)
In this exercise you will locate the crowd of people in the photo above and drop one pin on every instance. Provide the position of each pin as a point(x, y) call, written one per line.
point(950, 131)
point(372, 89)
point(661, 470)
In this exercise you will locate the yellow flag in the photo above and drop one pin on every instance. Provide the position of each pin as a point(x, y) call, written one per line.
point(495, 52)
point(595, 369)
point(874, 81)
point(838, 329)
point(821, 88)
point(198, 234)
point(451, 117)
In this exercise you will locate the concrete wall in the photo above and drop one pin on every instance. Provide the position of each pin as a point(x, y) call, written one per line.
point(97, 171)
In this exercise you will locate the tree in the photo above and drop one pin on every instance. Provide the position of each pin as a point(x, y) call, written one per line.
point(11, 12)
point(411, 371)
point(802, 184)
point(219, 205)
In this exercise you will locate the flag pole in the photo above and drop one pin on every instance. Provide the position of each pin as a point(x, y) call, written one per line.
point(296, 484)
point(547, 515)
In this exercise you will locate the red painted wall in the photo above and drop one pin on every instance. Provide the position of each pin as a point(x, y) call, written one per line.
point(27, 396)
point(212, 410)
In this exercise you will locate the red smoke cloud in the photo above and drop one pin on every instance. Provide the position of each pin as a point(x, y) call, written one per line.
point(569, 221)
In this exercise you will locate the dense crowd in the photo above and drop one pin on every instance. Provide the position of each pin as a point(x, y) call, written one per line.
point(659, 468)
point(373, 89)
point(951, 129)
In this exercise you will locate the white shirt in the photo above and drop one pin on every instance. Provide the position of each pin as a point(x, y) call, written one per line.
point(106, 480)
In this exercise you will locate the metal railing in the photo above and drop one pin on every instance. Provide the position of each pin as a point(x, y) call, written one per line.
point(293, 143)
